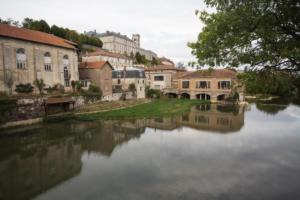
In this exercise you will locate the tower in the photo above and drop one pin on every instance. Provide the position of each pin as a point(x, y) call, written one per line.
point(136, 38)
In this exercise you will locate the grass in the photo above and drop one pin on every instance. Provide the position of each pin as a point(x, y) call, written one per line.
point(155, 108)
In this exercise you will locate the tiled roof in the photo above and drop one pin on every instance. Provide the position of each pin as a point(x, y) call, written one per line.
point(166, 59)
point(34, 36)
point(94, 65)
point(163, 67)
point(106, 53)
point(215, 73)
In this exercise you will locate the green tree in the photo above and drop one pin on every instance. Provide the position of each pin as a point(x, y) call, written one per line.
point(39, 83)
point(261, 34)
point(132, 89)
point(37, 25)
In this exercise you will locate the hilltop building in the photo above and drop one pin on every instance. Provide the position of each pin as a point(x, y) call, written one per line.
point(27, 55)
point(118, 61)
point(117, 43)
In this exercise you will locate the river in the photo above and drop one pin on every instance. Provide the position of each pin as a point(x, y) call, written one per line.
point(213, 152)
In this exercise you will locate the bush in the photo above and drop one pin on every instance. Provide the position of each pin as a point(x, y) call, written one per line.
point(56, 88)
point(39, 83)
point(94, 89)
point(24, 88)
point(152, 93)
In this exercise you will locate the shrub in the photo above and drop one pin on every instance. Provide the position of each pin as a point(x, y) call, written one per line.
point(39, 83)
point(152, 93)
point(94, 89)
point(24, 88)
point(56, 88)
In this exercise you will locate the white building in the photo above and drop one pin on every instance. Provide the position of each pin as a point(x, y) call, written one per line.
point(118, 61)
point(117, 43)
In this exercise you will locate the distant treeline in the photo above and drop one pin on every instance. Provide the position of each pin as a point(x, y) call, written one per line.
point(43, 26)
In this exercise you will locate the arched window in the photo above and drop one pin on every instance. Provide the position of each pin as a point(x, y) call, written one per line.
point(21, 58)
point(67, 75)
point(66, 60)
point(47, 61)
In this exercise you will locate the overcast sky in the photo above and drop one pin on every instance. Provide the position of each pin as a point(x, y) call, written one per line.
point(165, 26)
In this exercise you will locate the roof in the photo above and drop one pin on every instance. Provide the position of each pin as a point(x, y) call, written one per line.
point(129, 74)
point(34, 36)
point(163, 67)
point(166, 59)
point(58, 100)
point(94, 65)
point(215, 73)
point(104, 52)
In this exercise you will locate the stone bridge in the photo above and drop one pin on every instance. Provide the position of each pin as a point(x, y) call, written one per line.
point(213, 96)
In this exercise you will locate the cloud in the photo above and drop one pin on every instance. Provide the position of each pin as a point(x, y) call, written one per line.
point(165, 26)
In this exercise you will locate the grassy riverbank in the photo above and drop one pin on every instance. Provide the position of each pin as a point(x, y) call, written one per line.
point(155, 108)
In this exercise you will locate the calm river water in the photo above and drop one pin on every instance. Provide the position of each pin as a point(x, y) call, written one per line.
point(214, 152)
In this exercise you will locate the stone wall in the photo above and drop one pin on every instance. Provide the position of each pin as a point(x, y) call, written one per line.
point(28, 108)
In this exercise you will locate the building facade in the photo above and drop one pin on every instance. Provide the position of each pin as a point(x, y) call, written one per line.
point(27, 55)
point(213, 85)
point(117, 43)
point(99, 74)
point(118, 61)
point(161, 77)
point(122, 79)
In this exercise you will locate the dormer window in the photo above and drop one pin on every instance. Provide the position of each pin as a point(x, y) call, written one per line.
point(21, 58)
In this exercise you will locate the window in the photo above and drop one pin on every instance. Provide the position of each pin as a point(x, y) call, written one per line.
point(203, 84)
point(84, 83)
point(119, 81)
point(21, 59)
point(47, 61)
point(224, 85)
point(185, 84)
point(159, 78)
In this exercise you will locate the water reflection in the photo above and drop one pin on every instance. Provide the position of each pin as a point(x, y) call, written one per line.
point(128, 159)
point(216, 118)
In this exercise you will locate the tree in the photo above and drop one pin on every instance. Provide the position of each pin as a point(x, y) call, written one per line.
point(9, 81)
point(73, 85)
point(39, 83)
point(132, 89)
point(260, 34)
point(37, 25)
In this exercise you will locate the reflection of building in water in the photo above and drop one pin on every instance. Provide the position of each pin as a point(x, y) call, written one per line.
point(111, 133)
point(36, 166)
point(220, 118)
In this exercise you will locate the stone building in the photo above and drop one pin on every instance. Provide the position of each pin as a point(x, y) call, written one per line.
point(118, 61)
point(117, 43)
point(161, 77)
point(27, 55)
point(121, 80)
point(98, 73)
point(214, 85)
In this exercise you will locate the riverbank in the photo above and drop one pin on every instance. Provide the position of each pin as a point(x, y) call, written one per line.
point(154, 108)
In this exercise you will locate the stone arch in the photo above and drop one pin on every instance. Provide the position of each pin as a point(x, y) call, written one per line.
point(203, 96)
point(221, 97)
point(171, 95)
point(185, 96)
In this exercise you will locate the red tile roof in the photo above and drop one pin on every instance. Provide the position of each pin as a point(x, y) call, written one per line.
point(94, 65)
point(106, 53)
point(215, 73)
point(34, 36)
